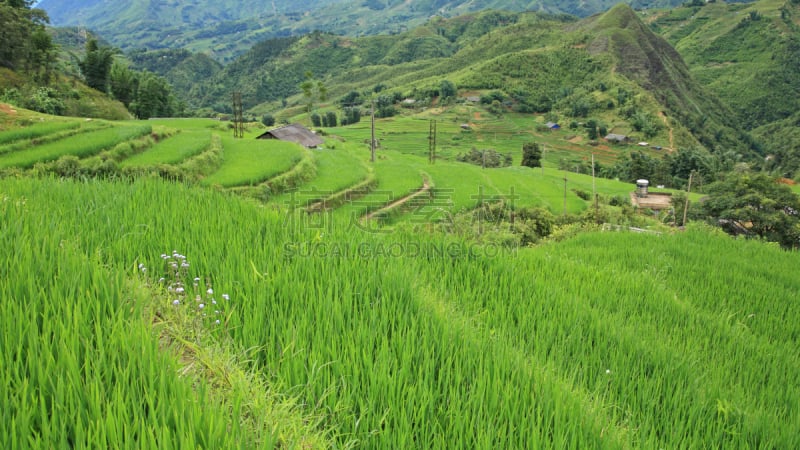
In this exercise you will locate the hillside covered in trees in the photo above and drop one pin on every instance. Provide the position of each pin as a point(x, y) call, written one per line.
point(225, 29)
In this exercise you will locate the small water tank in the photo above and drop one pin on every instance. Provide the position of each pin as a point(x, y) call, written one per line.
point(641, 188)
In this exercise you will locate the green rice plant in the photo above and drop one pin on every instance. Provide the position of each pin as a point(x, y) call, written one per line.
point(91, 359)
point(382, 339)
point(35, 131)
point(172, 150)
point(336, 171)
point(398, 175)
point(81, 145)
point(252, 161)
point(23, 144)
point(206, 162)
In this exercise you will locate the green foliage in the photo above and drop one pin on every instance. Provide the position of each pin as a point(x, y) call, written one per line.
point(351, 115)
point(531, 155)
point(96, 65)
point(782, 142)
point(485, 158)
point(384, 106)
point(153, 98)
point(645, 122)
point(755, 204)
point(40, 98)
point(313, 91)
point(745, 54)
point(447, 89)
point(329, 119)
point(26, 45)
point(123, 83)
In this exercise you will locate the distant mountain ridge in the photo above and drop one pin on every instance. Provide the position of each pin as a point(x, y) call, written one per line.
point(610, 68)
point(226, 28)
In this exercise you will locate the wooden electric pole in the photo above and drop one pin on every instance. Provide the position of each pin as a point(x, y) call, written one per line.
point(594, 190)
point(238, 116)
point(372, 139)
point(544, 152)
point(686, 205)
point(432, 142)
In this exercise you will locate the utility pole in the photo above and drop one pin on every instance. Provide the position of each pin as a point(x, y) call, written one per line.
point(238, 116)
point(594, 190)
point(686, 205)
point(544, 152)
point(432, 142)
point(372, 140)
point(565, 193)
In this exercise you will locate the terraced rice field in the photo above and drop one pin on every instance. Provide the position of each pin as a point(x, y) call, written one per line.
point(80, 145)
point(251, 161)
point(378, 340)
point(173, 149)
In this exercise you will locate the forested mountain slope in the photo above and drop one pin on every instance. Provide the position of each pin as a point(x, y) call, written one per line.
point(226, 28)
point(749, 56)
point(611, 67)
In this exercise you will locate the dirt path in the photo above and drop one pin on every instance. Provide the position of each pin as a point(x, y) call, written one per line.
point(426, 187)
point(666, 124)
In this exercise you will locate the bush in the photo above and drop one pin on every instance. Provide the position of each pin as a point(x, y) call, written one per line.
point(486, 158)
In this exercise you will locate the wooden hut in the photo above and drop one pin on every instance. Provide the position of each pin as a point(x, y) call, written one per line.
point(294, 133)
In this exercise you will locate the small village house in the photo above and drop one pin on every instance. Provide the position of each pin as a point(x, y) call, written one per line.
point(294, 133)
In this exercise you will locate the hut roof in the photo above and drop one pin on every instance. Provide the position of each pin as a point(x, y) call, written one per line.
point(616, 137)
point(294, 133)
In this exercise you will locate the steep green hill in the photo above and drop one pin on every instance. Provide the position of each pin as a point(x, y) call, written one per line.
point(610, 68)
point(227, 28)
point(748, 55)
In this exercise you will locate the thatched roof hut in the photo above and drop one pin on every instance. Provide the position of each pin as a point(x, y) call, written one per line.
point(294, 133)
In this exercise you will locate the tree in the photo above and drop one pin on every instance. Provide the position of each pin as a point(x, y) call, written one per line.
point(313, 90)
point(153, 97)
point(531, 155)
point(123, 83)
point(755, 204)
point(268, 120)
point(485, 158)
point(351, 115)
point(25, 44)
point(96, 65)
point(447, 89)
point(591, 129)
point(330, 119)
point(40, 59)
